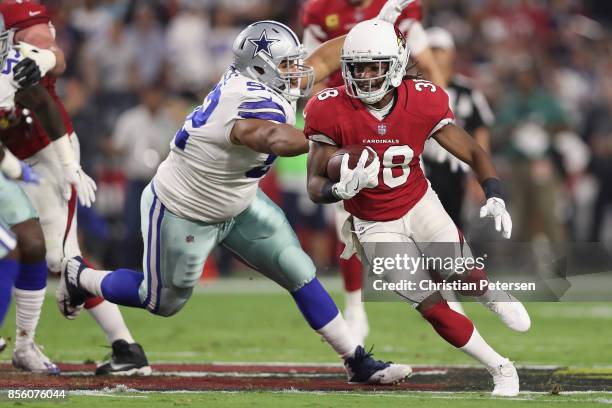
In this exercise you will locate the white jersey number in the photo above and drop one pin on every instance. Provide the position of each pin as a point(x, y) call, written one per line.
point(405, 153)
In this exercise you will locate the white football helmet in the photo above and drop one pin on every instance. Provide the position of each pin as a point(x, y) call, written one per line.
point(374, 41)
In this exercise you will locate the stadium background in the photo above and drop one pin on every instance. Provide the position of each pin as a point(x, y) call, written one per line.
point(545, 67)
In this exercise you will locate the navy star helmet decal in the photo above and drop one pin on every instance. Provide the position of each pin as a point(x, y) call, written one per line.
point(262, 44)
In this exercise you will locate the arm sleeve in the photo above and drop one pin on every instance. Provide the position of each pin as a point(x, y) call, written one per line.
point(319, 125)
point(18, 16)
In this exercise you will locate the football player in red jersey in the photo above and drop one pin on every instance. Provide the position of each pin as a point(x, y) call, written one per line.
point(55, 199)
point(327, 19)
point(393, 116)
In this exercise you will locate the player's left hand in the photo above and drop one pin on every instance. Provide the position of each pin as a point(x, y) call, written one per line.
point(28, 174)
point(392, 10)
point(496, 208)
point(84, 185)
point(26, 73)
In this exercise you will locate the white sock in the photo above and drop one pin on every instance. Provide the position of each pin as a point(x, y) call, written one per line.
point(352, 300)
point(91, 280)
point(337, 334)
point(109, 318)
point(28, 305)
point(477, 348)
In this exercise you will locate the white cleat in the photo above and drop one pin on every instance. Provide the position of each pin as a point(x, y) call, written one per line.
point(505, 379)
point(511, 312)
point(357, 322)
point(362, 368)
point(70, 300)
point(2, 344)
point(30, 358)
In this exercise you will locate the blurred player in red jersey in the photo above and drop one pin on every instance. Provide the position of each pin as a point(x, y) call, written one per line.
point(326, 19)
point(55, 198)
point(392, 116)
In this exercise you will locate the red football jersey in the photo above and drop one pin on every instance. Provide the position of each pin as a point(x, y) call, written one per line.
point(25, 140)
point(420, 109)
point(335, 18)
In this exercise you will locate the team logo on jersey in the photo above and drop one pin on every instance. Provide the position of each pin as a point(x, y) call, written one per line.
point(332, 21)
point(262, 44)
point(189, 239)
point(382, 129)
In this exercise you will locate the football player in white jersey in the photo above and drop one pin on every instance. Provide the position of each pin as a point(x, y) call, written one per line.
point(206, 194)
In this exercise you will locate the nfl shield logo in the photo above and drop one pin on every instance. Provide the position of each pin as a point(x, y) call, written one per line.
point(382, 129)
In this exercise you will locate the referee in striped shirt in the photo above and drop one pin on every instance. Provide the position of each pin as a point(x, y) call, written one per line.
point(446, 173)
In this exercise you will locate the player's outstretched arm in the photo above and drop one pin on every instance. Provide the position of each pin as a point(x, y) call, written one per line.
point(461, 145)
point(267, 137)
point(37, 99)
point(44, 107)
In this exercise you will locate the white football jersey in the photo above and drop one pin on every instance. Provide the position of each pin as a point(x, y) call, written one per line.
point(206, 177)
point(8, 86)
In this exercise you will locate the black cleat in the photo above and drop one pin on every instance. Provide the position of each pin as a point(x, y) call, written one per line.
point(363, 369)
point(126, 359)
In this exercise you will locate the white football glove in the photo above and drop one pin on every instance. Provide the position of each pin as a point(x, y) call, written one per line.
point(353, 181)
point(496, 208)
point(392, 10)
point(84, 185)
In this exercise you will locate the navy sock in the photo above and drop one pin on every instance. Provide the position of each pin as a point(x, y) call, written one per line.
point(316, 305)
point(8, 272)
point(121, 287)
point(32, 276)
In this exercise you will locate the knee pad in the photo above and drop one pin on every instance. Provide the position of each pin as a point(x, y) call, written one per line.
point(296, 266)
point(171, 301)
point(54, 260)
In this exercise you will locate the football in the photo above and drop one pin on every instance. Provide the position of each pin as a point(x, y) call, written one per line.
point(335, 161)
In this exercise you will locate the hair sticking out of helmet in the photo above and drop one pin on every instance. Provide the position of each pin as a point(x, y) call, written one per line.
point(271, 52)
point(374, 59)
point(6, 39)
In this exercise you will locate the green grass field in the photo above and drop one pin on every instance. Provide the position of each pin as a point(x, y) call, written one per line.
point(252, 322)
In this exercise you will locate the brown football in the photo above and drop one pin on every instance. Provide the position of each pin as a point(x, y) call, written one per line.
point(335, 161)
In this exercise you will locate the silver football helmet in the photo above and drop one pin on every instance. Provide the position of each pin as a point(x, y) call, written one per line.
point(270, 52)
point(6, 39)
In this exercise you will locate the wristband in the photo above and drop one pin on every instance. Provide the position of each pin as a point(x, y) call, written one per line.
point(10, 166)
point(327, 192)
point(492, 188)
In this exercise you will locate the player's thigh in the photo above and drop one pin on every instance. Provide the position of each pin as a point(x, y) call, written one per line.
point(436, 234)
point(53, 209)
point(381, 243)
point(262, 237)
point(174, 256)
point(15, 207)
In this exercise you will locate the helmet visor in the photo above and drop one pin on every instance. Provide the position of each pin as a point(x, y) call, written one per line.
point(366, 78)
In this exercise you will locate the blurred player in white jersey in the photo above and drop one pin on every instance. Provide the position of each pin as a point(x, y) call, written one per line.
point(55, 200)
point(206, 194)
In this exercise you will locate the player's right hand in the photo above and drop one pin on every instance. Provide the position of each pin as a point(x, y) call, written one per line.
point(352, 181)
point(84, 185)
point(26, 73)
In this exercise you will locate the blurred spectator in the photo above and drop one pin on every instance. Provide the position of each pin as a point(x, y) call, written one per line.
point(140, 141)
